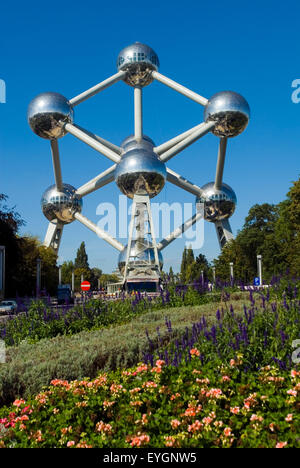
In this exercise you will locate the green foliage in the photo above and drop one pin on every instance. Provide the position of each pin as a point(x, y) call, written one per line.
point(21, 255)
point(192, 268)
point(30, 366)
point(81, 260)
point(40, 321)
point(210, 406)
point(272, 231)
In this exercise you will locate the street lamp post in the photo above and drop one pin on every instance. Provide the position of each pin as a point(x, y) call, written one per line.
point(231, 272)
point(259, 269)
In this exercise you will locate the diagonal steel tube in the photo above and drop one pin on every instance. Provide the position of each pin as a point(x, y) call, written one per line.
point(179, 88)
point(220, 163)
point(99, 181)
point(117, 149)
point(97, 88)
point(183, 183)
point(92, 142)
point(203, 130)
point(170, 143)
point(93, 227)
point(56, 165)
point(181, 229)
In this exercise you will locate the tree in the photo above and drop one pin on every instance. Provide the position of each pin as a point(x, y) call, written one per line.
point(66, 272)
point(272, 231)
point(183, 265)
point(81, 260)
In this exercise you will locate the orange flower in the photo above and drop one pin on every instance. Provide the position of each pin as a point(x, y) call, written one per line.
point(18, 403)
point(281, 444)
point(227, 432)
point(194, 352)
point(235, 410)
point(175, 423)
point(160, 363)
point(196, 426)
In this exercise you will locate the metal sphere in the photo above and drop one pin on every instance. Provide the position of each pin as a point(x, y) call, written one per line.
point(231, 112)
point(138, 60)
point(140, 172)
point(46, 112)
point(218, 204)
point(61, 205)
point(131, 143)
point(139, 255)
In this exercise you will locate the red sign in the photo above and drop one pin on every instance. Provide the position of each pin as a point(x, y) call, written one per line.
point(85, 286)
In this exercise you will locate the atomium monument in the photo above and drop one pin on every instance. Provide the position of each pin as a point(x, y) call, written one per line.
point(139, 168)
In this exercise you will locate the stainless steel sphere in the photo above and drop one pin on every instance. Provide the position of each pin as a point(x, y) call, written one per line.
point(45, 113)
point(231, 112)
point(140, 172)
point(139, 256)
point(131, 143)
point(138, 60)
point(218, 204)
point(61, 205)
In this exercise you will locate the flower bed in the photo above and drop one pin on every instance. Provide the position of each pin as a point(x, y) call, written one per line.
point(41, 321)
point(193, 405)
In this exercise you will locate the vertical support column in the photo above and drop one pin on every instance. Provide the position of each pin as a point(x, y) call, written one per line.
point(98, 284)
point(131, 226)
point(259, 269)
point(231, 272)
point(214, 274)
point(224, 232)
point(202, 277)
point(73, 281)
point(220, 163)
point(152, 233)
point(38, 276)
point(138, 113)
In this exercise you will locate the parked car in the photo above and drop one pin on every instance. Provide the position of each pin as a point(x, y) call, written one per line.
point(8, 307)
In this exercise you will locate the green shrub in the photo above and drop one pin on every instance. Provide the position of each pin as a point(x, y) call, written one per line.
point(30, 366)
point(190, 406)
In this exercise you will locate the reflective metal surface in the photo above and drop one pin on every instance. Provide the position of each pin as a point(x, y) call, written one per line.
point(45, 112)
point(218, 204)
point(138, 60)
point(61, 205)
point(231, 112)
point(131, 143)
point(140, 172)
point(140, 256)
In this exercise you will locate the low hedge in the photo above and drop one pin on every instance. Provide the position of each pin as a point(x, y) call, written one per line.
point(31, 366)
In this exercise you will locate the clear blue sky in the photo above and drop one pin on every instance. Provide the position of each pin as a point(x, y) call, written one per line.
point(249, 47)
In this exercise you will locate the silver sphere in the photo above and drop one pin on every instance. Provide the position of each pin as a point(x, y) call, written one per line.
point(231, 112)
point(61, 205)
point(130, 142)
point(138, 256)
point(138, 60)
point(140, 171)
point(218, 204)
point(46, 112)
